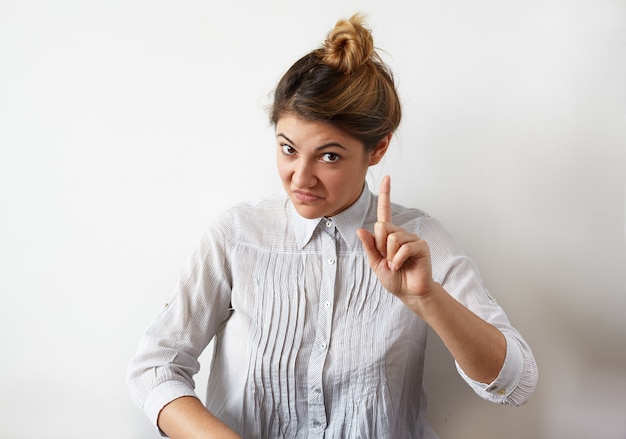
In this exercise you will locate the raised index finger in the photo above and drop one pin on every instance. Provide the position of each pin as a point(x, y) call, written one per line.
point(384, 200)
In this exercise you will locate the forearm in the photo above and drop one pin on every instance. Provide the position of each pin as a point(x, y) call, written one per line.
point(478, 347)
point(187, 418)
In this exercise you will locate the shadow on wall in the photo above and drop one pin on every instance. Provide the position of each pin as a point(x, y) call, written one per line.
point(581, 392)
point(456, 412)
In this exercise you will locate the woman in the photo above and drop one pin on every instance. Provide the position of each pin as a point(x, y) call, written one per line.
point(318, 303)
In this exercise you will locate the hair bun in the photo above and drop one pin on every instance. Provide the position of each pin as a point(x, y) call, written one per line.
point(348, 46)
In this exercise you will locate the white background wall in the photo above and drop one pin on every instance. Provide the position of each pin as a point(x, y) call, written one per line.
point(125, 126)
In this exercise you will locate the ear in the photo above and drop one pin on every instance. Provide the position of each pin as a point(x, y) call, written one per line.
point(379, 151)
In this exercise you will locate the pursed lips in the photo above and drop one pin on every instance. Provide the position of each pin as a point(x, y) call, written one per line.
point(307, 197)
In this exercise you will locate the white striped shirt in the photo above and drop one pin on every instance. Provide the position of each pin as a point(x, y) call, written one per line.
point(308, 344)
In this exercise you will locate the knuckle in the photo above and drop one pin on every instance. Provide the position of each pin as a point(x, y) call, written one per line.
point(393, 239)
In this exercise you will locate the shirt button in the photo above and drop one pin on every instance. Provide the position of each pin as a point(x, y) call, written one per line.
point(331, 261)
point(327, 304)
point(502, 392)
point(329, 223)
point(323, 345)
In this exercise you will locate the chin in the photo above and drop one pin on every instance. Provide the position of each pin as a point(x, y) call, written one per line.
point(309, 212)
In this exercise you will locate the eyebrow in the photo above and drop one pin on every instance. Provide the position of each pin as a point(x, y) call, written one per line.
point(324, 146)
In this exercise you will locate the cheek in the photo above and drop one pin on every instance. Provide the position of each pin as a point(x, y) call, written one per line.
point(345, 183)
point(334, 181)
point(283, 169)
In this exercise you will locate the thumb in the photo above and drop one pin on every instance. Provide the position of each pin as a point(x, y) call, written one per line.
point(369, 244)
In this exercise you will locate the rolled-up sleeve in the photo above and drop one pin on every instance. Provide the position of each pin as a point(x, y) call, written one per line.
point(516, 381)
point(459, 276)
point(166, 359)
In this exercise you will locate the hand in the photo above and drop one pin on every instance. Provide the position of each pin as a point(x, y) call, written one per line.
point(400, 260)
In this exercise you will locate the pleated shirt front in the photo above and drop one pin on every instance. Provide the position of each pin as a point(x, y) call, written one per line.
point(307, 342)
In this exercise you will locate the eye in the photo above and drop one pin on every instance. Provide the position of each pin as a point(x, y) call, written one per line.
point(330, 157)
point(287, 149)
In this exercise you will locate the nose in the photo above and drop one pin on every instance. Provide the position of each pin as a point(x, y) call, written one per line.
point(304, 175)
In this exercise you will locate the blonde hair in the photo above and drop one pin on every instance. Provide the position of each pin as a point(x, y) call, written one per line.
point(345, 83)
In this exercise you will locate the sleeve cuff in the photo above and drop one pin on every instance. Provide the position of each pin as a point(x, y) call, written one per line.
point(508, 378)
point(162, 395)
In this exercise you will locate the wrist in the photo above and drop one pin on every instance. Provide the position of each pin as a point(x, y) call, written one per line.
point(426, 300)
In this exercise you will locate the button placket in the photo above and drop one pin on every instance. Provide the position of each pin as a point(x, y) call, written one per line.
point(317, 409)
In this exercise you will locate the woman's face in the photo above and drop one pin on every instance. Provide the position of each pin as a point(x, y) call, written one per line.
point(322, 168)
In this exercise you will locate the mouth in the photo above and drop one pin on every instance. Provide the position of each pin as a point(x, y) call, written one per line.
point(306, 197)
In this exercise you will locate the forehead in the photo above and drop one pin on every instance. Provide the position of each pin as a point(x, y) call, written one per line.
point(303, 131)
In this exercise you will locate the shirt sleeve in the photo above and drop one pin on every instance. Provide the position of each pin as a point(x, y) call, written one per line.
point(459, 276)
point(166, 360)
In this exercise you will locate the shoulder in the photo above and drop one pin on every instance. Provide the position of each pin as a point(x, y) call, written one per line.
point(405, 216)
point(258, 210)
point(429, 228)
point(249, 221)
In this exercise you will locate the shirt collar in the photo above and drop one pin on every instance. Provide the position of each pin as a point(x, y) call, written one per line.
point(346, 222)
